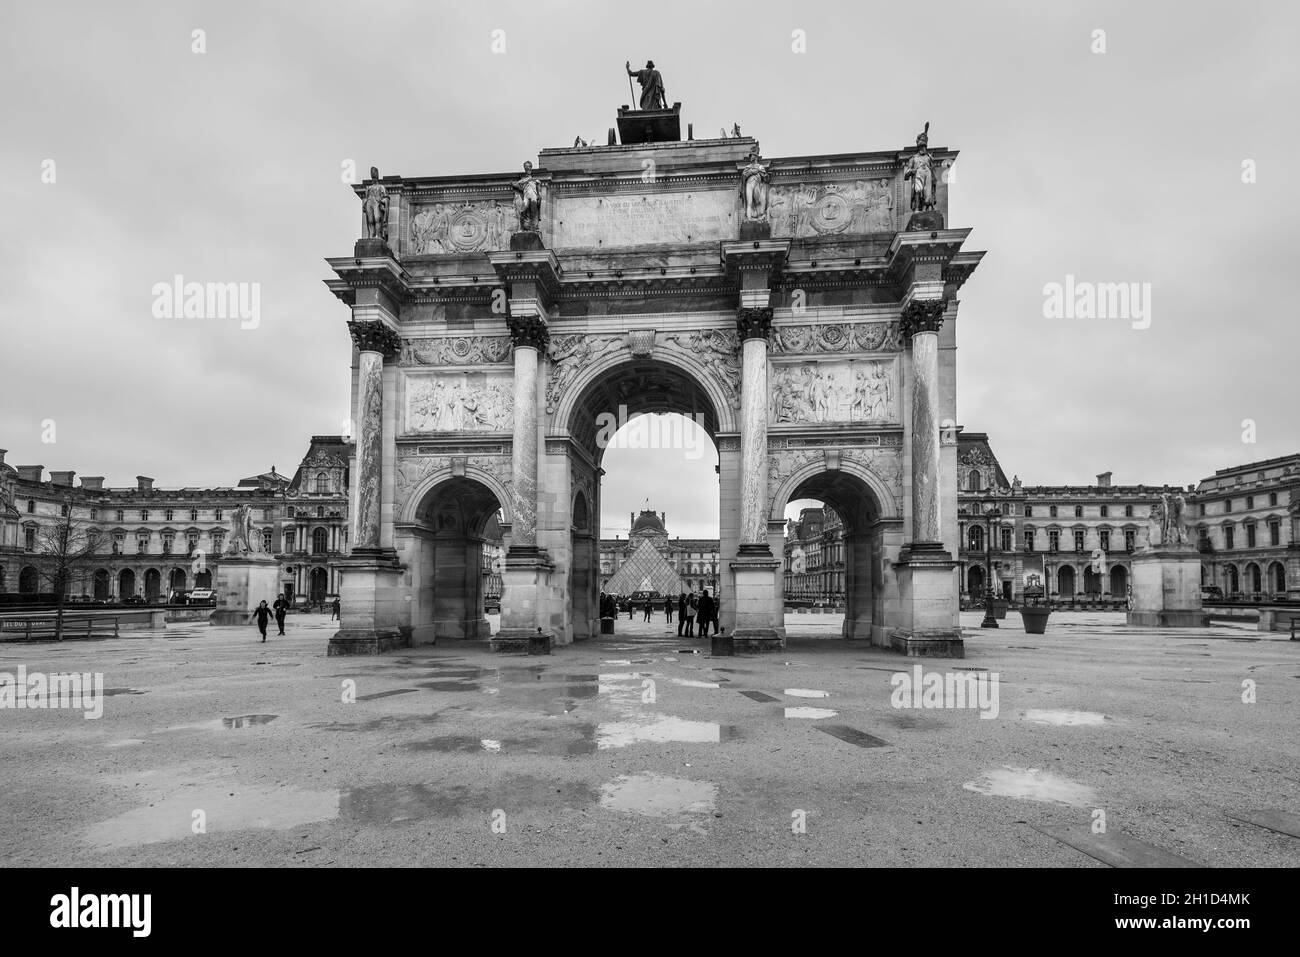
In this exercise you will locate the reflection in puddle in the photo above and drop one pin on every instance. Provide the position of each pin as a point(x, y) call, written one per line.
point(1031, 784)
point(1070, 718)
point(660, 729)
point(492, 747)
point(806, 693)
point(250, 807)
point(682, 803)
point(689, 683)
point(247, 720)
point(124, 743)
point(810, 713)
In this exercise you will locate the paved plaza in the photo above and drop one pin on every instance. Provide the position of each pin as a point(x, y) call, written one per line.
point(641, 749)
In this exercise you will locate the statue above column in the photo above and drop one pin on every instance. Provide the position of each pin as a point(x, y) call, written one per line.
point(919, 168)
point(375, 208)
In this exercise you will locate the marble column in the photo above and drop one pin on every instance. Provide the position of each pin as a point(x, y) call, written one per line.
point(921, 320)
point(530, 336)
point(753, 326)
point(374, 340)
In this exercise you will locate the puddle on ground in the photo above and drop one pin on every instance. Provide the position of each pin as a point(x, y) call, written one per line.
point(691, 683)
point(806, 693)
point(1064, 718)
point(759, 696)
point(1031, 784)
point(110, 692)
point(852, 735)
point(244, 808)
point(679, 802)
point(375, 696)
point(813, 713)
point(490, 746)
point(659, 729)
point(247, 721)
point(448, 686)
point(124, 743)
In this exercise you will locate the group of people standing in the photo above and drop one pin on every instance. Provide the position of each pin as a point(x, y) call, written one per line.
point(691, 609)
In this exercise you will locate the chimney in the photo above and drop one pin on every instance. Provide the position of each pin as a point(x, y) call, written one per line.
point(2, 456)
point(1103, 480)
point(143, 483)
point(30, 473)
point(94, 482)
point(62, 478)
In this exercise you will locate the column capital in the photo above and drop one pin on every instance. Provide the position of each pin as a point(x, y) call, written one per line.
point(529, 330)
point(922, 315)
point(375, 335)
point(753, 323)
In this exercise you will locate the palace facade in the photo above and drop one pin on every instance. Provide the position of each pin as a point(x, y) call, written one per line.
point(157, 541)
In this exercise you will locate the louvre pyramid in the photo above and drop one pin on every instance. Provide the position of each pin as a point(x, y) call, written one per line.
point(646, 570)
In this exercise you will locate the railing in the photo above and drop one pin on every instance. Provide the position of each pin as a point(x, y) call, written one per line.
point(43, 626)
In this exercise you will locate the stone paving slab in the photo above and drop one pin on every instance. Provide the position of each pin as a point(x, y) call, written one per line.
point(216, 749)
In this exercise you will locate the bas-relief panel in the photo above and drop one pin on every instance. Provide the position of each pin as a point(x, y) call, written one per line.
point(461, 227)
point(460, 402)
point(825, 209)
point(630, 219)
point(455, 350)
point(837, 390)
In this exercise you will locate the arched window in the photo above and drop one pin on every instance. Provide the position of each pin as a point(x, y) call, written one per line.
point(322, 483)
point(1078, 511)
point(973, 481)
point(320, 511)
point(320, 540)
point(977, 538)
point(1029, 511)
point(31, 506)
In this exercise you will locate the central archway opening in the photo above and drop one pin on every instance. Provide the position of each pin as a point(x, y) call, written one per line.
point(646, 527)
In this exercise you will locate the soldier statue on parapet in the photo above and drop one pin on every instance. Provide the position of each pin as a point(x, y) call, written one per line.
point(528, 200)
point(920, 170)
point(375, 207)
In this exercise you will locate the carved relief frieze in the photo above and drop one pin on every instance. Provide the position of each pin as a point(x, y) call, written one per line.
point(460, 402)
point(568, 355)
point(840, 390)
point(814, 338)
point(826, 209)
point(461, 227)
point(456, 350)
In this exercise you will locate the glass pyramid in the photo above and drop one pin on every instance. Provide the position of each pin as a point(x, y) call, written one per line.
point(646, 570)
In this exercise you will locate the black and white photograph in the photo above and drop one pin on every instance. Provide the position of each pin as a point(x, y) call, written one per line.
point(729, 438)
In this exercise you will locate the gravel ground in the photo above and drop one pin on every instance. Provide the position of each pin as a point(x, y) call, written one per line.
point(215, 749)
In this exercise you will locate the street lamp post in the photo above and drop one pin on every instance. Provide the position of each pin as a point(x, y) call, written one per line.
point(992, 515)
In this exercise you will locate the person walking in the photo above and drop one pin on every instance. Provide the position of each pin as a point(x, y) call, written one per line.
point(717, 610)
point(705, 613)
point(263, 615)
point(692, 607)
point(668, 608)
point(281, 608)
point(681, 613)
point(649, 607)
point(336, 610)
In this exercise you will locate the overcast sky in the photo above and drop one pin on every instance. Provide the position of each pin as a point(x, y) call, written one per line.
point(1122, 166)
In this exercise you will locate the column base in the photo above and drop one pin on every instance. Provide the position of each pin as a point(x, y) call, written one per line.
point(927, 646)
point(520, 641)
point(755, 641)
point(1168, 619)
point(366, 642)
point(759, 620)
point(375, 618)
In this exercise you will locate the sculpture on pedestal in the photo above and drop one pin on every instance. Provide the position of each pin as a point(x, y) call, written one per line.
point(652, 86)
point(241, 531)
point(528, 200)
point(754, 179)
point(375, 207)
point(920, 170)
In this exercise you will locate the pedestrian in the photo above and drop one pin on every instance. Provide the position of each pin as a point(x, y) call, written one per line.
point(631, 609)
point(668, 608)
point(281, 607)
point(717, 610)
point(692, 607)
point(681, 613)
point(648, 608)
point(263, 615)
point(705, 613)
point(336, 609)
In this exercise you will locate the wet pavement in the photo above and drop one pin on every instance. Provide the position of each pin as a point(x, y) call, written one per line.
point(641, 748)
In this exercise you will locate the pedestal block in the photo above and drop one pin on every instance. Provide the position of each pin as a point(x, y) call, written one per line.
point(930, 627)
point(524, 582)
point(241, 584)
point(372, 605)
point(1167, 589)
point(756, 605)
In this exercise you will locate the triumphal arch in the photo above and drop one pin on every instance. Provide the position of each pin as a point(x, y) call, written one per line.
point(803, 308)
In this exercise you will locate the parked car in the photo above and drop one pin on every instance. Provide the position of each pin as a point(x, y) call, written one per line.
point(200, 596)
point(1211, 593)
point(134, 600)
